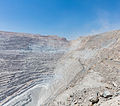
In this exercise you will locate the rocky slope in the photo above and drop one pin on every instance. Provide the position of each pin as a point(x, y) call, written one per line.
point(90, 72)
point(82, 72)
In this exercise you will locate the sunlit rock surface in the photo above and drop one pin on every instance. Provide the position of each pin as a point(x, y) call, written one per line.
point(50, 71)
point(27, 60)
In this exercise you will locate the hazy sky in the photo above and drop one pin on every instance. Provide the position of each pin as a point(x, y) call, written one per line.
point(68, 18)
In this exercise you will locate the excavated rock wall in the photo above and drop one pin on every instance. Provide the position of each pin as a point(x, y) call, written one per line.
point(27, 60)
point(88, 70)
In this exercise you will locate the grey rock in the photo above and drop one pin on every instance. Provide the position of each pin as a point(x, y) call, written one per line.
point(117, 93)
point(75, 102)
point(106, 94)
point(94, 99)
point(114, 84)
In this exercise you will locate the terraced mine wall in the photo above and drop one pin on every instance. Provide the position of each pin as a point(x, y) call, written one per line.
point(27, 60)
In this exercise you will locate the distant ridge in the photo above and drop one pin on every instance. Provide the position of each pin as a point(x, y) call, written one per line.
point(30, 35)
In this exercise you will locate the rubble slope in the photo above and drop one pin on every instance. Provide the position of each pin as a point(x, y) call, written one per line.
point(89, 74)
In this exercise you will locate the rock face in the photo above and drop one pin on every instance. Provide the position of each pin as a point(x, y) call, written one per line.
point(50, 71)
point(25, 61)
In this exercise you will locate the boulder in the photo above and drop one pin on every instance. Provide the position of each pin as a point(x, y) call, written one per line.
point(106, 94)
point(114, 84)
point(94, 99)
